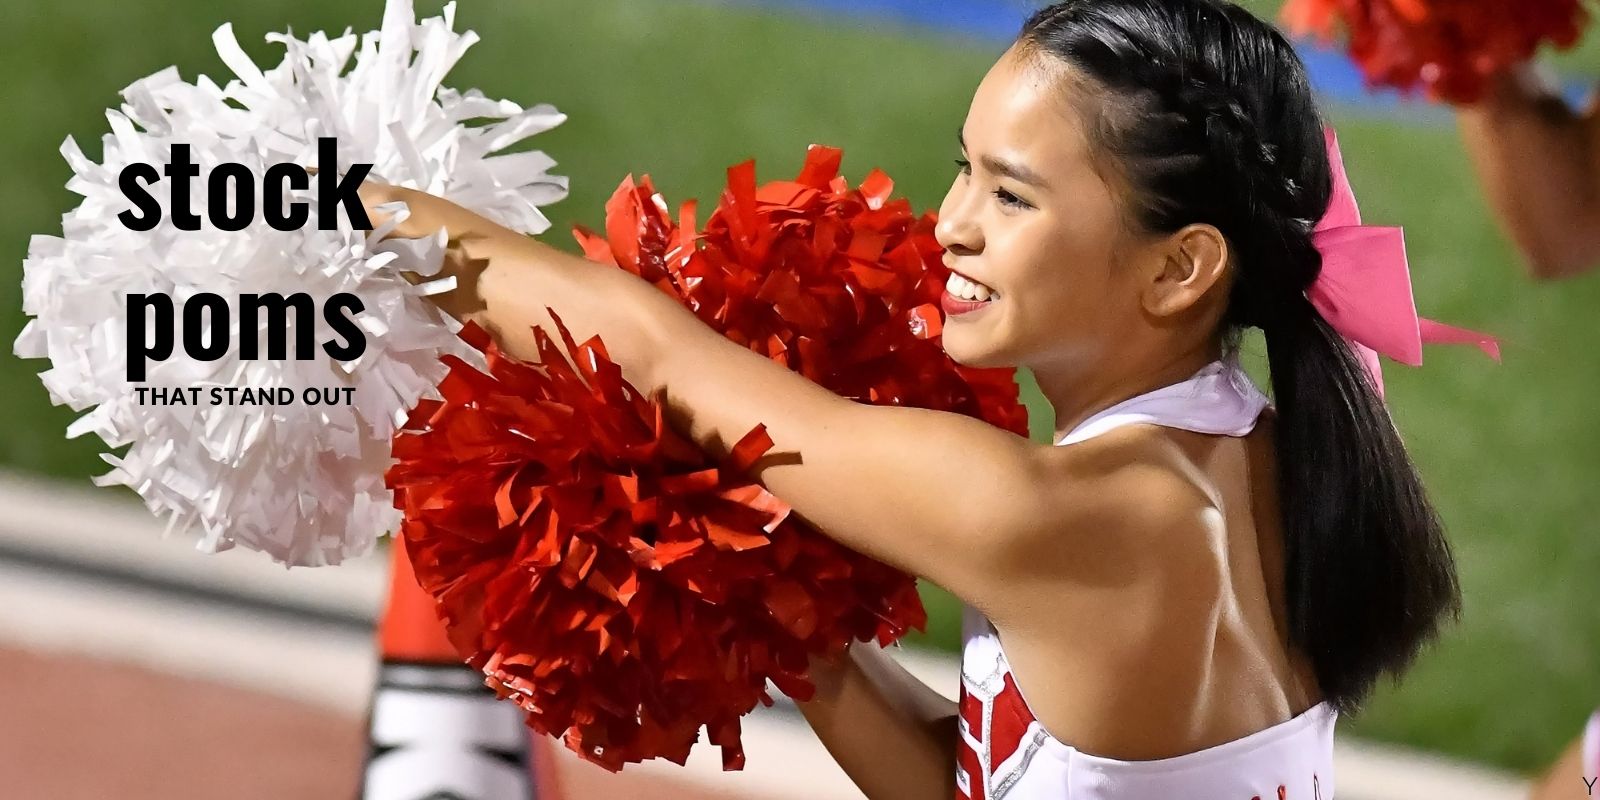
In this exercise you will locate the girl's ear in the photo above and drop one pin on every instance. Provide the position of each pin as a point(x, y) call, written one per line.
point(1185, 266)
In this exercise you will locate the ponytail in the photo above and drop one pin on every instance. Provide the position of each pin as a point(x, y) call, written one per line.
point(1369, 573)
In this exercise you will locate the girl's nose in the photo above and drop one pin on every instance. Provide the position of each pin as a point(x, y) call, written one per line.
point(958, 230)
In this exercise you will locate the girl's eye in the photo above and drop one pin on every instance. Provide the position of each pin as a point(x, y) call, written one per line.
point(1010, 200)
point(964, 165)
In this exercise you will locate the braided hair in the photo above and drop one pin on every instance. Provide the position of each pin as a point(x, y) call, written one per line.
point(1206, 114)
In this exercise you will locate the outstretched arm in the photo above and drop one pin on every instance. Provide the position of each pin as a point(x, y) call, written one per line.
point(939, 495)
point(1539, 160)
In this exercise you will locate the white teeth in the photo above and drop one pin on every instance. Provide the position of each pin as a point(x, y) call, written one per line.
point(960, 286)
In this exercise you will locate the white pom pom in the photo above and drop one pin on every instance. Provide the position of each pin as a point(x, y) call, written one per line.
point(301, 482)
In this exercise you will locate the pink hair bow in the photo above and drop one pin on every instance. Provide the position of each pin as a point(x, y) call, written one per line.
point(1364, 290)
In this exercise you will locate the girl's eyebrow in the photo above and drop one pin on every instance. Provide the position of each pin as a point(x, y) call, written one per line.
point(1000, 166)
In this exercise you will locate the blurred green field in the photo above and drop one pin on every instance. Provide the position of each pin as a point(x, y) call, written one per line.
point(684, 89)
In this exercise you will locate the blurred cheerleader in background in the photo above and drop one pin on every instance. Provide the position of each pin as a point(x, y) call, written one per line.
point(1539, 160)
point(1538, 157)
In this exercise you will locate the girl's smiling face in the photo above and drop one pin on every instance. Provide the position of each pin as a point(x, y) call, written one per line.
point(1031, 225)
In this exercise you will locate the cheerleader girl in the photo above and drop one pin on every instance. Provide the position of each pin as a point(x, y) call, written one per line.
point(1179, 595)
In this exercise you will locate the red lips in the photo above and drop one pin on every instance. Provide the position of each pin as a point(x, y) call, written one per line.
point(954, 306)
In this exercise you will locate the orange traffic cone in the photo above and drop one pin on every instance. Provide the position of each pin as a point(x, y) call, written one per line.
point(435, 732)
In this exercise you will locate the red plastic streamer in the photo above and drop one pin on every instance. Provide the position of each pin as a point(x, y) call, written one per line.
point(1448, 48)
point(606, 574)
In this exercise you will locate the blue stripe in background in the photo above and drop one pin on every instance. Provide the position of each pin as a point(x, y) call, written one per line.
point(1333, 75)
point(993, 20)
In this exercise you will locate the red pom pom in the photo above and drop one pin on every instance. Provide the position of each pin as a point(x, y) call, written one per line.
point(608, 576)
point(841, 285)
point(1449, 48)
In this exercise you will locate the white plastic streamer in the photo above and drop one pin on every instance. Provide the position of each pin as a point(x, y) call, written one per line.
point(302, 483)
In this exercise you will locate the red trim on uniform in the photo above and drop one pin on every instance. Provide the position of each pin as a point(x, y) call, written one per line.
point(1009, 723)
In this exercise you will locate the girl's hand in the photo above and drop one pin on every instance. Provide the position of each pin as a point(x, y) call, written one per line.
point(428, 213)
point(472, 240)
point(375, 194)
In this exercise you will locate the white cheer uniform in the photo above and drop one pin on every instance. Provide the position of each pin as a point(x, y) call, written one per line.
point(1005, 754)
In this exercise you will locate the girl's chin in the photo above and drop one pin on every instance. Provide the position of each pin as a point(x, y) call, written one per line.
point(972, 351)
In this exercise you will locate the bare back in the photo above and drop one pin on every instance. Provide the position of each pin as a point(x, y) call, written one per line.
point(1187, 623)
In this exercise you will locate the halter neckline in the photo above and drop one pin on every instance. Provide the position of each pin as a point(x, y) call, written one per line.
point(1219, 399)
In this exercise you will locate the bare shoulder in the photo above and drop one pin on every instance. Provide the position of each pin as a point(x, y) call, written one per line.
point(1119, 503)
point(1135, 480)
